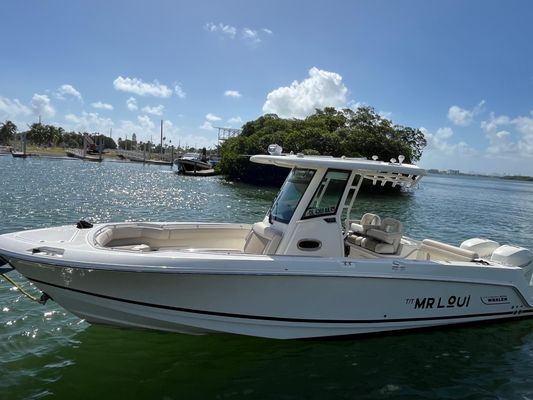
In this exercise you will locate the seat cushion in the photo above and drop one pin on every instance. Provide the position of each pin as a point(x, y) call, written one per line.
point(383, 236)
point(377, 247)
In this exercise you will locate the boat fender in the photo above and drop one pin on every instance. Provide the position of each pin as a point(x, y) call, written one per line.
point(83, 224)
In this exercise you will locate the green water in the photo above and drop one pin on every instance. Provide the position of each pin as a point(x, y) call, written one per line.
point(46, 352)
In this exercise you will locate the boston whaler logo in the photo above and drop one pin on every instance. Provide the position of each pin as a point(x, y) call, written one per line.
point(439, 302)
point(490, 300)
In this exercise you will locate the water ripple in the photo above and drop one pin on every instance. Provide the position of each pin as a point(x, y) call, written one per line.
point(47, 352)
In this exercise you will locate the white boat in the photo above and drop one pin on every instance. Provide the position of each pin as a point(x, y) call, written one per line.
point(300, 272)
point(193, 163)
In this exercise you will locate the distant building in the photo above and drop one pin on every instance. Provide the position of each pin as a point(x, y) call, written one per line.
point(453, 172)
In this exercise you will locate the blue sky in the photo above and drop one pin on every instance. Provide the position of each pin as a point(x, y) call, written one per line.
point(462, 71)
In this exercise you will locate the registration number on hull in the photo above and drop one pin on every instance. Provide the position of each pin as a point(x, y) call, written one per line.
point(439, 302)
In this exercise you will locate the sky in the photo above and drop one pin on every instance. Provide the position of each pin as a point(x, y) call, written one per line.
point(461, 71)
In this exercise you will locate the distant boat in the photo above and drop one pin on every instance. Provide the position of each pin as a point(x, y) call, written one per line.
point(18, 154)
point(192, 164)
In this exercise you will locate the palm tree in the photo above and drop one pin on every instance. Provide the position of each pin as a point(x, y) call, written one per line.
point(8, 130)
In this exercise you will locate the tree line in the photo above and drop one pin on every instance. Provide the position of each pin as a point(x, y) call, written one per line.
point(49, 136)
point(359, 133)
point(329, 131)
point(53, 136)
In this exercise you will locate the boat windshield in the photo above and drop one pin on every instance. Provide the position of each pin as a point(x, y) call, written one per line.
point(290, 194)
point(328, 195)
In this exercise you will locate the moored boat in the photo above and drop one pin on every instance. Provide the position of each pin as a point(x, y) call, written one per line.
point(18, 154)
point(193, 163)
point(306, 270)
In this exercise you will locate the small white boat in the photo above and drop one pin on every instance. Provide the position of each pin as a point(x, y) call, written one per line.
point(300, 272)
point(18, 154)
point(193, 163)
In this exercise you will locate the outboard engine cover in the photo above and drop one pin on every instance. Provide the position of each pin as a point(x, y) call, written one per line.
point(514, 256)
point(483, 247)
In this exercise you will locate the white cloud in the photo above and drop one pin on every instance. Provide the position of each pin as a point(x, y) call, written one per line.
point(157, 110)
point(442, 152)
point(444, 133)
point(462, 117)
point(131, 103)
point(208, 123)
point(196, 141)
point(459, 116)
point(508, 147)
point(439, 143)
point(515, 140)
point(300, 99)
point(524, 125)
point(232, 93)
point(68, 90)
point(144, 128)
point(502, 134)
point(251, 35)
point(354, 105)
point(138, 87)
point(235, 121)
point(224, 30)
point(494, 122)
point(501, 144)
point(212, 117)
point(179, 91)
point(88, 122)
point(102, 106)
point(12, 108)
point(385, 114)
point(208, 126)
point(41, 105)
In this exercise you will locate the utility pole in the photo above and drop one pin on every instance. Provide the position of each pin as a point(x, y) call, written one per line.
point(161, 138)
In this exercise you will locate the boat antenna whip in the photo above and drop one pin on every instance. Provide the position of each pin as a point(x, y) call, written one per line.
point(5, 268)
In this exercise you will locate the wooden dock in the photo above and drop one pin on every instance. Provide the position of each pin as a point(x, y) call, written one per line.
point(142, 157)
point(76, 153)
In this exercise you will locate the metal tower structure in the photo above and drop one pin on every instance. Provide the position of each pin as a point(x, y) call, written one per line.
point(226, 133)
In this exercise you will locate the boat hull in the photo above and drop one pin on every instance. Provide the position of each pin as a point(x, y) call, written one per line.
point(192, 166)
point(274, 305)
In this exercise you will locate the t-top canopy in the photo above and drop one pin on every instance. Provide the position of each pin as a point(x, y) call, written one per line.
point(376, 171)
